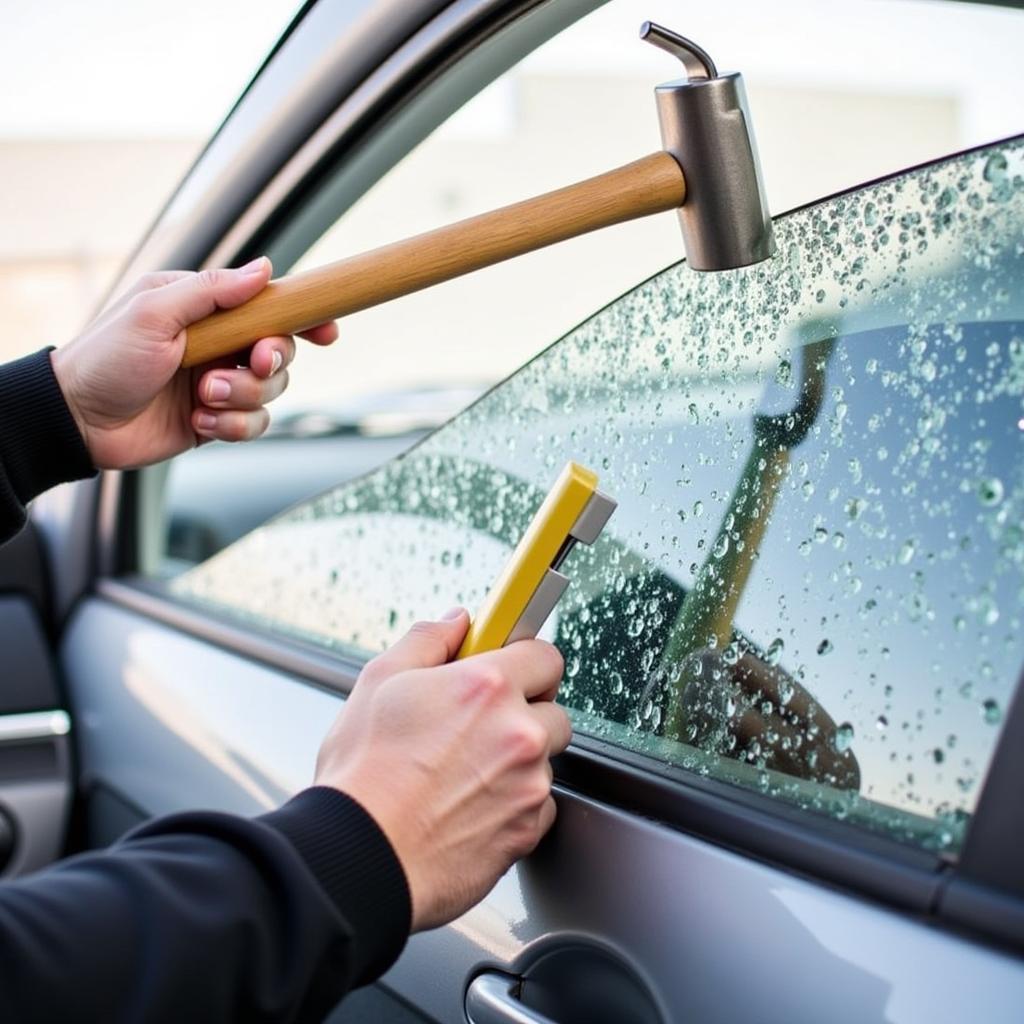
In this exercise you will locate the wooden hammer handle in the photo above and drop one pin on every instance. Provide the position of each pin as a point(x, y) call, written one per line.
point(290, 304)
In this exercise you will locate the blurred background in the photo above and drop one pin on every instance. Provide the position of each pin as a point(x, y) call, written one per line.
point(104, 106)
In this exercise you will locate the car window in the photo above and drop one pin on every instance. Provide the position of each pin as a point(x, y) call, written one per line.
point(813, 582)
point(577, 105)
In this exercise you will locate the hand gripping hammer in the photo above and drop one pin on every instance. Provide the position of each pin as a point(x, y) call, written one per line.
point(708, 171)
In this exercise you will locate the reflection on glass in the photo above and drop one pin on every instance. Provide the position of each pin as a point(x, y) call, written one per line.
point(812, 586)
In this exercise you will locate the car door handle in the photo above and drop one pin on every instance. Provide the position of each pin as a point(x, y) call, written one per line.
point(33, 725)
point(491, 999)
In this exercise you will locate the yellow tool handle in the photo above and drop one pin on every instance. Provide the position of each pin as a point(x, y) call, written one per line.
point(533, 556)
point(290, 304)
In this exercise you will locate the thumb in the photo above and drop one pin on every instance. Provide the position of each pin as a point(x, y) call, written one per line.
point(425, 645)
point(190, 298)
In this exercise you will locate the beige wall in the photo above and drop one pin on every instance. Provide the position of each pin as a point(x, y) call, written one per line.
point(70, 212)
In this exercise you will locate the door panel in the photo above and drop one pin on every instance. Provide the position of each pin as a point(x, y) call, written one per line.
point(714, 935)
point(375, 1005)
point(35, 770)
point(28, 683)
point(170, 724)
point(23, 572)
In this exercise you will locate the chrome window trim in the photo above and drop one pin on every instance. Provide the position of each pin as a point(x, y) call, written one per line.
point(331, 670)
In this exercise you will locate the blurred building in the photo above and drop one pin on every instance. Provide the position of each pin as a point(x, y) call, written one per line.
point(70, 212)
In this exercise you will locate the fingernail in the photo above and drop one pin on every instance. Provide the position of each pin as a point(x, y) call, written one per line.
point(275, 362)
point(218, 390)
point(253, 266)
point(452, 613)
point(206, 421)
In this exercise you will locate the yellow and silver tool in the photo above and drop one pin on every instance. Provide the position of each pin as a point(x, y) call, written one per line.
point(530, 585)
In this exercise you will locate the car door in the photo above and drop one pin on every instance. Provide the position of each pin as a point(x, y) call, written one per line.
point(35, 756)
point(791, 661)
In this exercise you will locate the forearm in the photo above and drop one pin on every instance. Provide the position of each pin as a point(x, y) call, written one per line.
point(207, 917)
point(40, 445)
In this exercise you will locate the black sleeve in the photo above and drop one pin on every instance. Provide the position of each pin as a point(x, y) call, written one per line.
point(40, 445)
point(208, 917)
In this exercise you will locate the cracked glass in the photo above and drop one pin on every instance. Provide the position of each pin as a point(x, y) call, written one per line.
point(814, 581)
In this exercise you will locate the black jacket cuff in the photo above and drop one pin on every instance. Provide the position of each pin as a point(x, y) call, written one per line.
point(40, 445)
point(351, 858)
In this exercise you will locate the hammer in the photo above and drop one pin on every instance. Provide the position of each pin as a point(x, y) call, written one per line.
point(708, 171)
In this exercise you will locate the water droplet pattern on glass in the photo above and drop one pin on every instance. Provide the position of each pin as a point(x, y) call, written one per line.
point(814, 582)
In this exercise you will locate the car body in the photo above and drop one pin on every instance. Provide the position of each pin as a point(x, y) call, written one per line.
point(734, 841)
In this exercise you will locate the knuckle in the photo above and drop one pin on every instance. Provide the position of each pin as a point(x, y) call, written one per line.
point(536, 791)
point(373, 671)
point(141, 307)
point(148, 281)
point(426, 632)
point(547, 660)
point(486, 681)
point(525, 836)
point(528, 740)
point(145, 312)
point(208, 278)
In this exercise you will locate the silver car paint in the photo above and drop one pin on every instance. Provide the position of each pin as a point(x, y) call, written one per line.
point(171, 722)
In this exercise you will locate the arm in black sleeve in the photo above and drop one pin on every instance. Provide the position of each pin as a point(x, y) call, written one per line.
point(40, 445)
point(208, 917)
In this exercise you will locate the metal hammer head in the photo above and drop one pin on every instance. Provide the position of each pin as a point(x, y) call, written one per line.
point(705, 125)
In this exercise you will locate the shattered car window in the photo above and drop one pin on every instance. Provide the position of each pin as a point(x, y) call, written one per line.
point(813, 584)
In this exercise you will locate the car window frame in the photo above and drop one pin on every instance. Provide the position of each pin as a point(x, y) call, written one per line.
point(959, 894)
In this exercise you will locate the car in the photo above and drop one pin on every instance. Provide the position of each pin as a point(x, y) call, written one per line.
point(213, 502)
point(791, 658)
